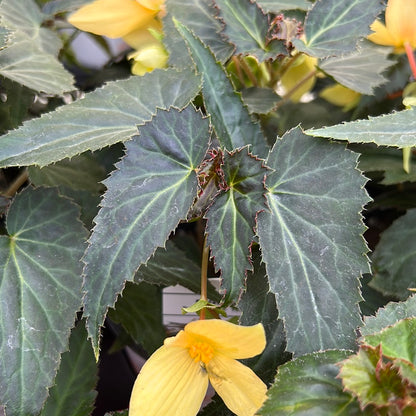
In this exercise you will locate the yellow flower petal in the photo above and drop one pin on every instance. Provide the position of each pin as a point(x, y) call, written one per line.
point(151, 4)
point(144, 37)
point(149, 58)
point(300, 69)
point(170, 383)
point(234, 341)
point(400, 20)
point(381, 35)
point(112, 18)
point(341, 96)
point(242, 391)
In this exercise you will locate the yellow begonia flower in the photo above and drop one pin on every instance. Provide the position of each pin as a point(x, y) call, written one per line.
point(400, 27)
point(301, 68)
point(148, 58)
point(341, 96)
point(175, 379)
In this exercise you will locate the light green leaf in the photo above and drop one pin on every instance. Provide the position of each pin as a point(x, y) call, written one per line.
point(370, 379)
point(73, 393)
point(396, 129)
point(229, 117)
point(231, 219)
point(247, 27)
point(389, 315)
point(394, 258)
point(151, 191)
point(308, 386)
point(170, 266)
point(139, 310)
point(105, 116)
point(58, 6)
point(333, 27)
point(201, 17)
point(397, 341)
point(361, 70)
point(41, 280)
point(311, 241)
point(30, 58)
point(274, 6)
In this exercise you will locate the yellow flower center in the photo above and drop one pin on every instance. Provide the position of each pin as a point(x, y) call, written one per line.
point(201, 351)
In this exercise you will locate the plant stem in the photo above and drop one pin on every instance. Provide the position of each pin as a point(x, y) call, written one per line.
point(18, 182)
point(411, 58)
point(204, 276)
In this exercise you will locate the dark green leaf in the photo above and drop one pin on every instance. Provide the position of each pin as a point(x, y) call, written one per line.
point(82, 172)
point(73, 393)
point(170, 266)
point(279, 5)
point(333, 27)
point(105, 116)
point(258, 304)
point(387, 160)
point(394, 258)
point(311, 241)
point(201, 17)
point(230, 118)
point(389, 315)
point(151, 191)
point(396, 129)
point(246, 26)
point(30, 58)
point(41, 280)
point(139, 310)
point(362, 70)
point(259, 100)
point(231, 219)
point(308, 386)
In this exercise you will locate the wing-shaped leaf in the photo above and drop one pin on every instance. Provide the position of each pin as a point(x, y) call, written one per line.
point(396, 129)
point(259, 100)
point(308, 386)
point(30, 58)
point(230, 118)
point(105, 116)
point(201, 17)
point(41, 280)
point(389, 315)
point(361, 70)
point(139, 310)
point(275, 6)
point(333, 27)
point(246, 26)
point(151, 191)
point(394, 258)
point(231, 219)
point(73, 393)
point(311, 241)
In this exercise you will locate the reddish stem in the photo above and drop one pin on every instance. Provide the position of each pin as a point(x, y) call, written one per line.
point(411, 58)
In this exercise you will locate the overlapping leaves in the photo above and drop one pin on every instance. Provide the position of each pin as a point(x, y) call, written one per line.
point(151, 191)
point(105, 116)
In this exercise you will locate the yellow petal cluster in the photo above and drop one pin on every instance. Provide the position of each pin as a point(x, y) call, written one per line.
point(341, 96)
point(136, 21)
point(400, 27)
point(175, 379)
